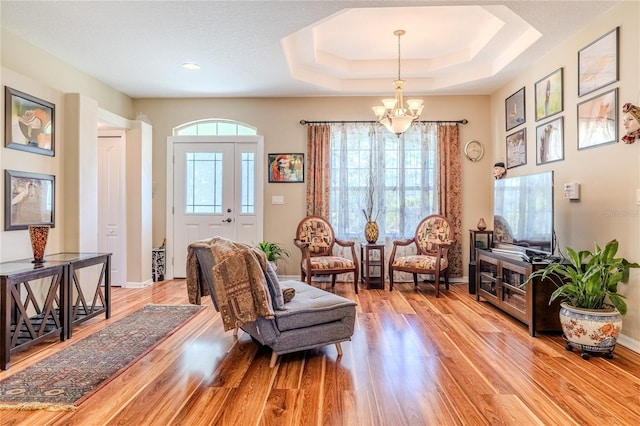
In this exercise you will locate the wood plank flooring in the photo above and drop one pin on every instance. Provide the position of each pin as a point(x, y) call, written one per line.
point(413, 360)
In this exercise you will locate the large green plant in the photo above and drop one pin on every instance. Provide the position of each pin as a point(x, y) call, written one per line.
point(273, 251)
point(589, 278)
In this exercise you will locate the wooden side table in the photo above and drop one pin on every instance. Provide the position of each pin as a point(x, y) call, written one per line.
point(369, 265)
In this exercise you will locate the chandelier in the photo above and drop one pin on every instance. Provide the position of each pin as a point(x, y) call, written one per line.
point(392, 113)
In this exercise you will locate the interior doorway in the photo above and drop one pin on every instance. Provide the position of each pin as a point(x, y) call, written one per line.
point(112, 201)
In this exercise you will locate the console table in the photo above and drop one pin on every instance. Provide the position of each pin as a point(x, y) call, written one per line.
point(501, 281)
point(24, 320)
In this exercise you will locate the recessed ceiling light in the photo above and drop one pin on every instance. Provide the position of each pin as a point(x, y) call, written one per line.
point(191, 66)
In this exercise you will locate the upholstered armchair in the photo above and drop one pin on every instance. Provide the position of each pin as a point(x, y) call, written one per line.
point(434, 236)
point(316, 239)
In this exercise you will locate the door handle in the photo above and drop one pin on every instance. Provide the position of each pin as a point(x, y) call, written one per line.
point(228, 220)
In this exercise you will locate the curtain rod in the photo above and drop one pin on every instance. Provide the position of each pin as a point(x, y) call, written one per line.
point(304, 122)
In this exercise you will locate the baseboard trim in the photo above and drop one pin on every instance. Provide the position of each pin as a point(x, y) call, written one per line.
point(629, 343)
point(137, 284)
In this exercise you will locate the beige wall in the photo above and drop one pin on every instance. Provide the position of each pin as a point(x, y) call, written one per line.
point(277, 119)
point(609, 175)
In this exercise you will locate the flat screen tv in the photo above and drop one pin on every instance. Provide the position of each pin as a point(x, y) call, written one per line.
point(523, 213)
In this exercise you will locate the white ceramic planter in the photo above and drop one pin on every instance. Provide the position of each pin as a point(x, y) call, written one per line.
point(590, 330)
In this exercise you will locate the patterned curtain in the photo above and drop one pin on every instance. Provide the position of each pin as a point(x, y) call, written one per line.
point(450, 187)
point(318, 137)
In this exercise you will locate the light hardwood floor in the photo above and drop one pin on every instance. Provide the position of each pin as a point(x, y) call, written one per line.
point(413, 360)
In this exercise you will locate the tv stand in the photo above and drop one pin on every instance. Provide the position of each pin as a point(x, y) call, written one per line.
point(500, 278)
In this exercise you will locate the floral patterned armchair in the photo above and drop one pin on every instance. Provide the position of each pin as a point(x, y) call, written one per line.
point(316, 239)
point(434, 236)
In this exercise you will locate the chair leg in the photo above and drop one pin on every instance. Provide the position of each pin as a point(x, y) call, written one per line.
point(415, 280)
point(446, 279)
point(390, 279)
point(355, 282)
point(333, 280)
point(235, 332)
point(437, 283)
point(274, 359)
point(339, 349)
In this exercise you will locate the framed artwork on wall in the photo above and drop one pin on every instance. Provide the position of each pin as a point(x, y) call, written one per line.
point(514, 109)
point(548, 95)
point(29, 199)
point(517, 149)
point(598, 120)
point(29, 123)
point(550, 141)
point(286, 168)
point(598, 63)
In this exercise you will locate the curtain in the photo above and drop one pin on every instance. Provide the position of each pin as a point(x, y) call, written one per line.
point(449, 190)
point(318, 140)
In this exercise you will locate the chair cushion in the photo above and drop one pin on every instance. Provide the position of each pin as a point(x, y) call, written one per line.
point(317, 233)
point(419, 262)
point(312, 306)
point(329, 263)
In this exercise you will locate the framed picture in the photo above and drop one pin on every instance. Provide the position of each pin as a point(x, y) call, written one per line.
point(550, 141)
point(29, 123)
point(514, 109)
point(549, 95)
point(286, 168)
point(598, 63)
point(29, 199)
point(598, 120)
point(517, 149)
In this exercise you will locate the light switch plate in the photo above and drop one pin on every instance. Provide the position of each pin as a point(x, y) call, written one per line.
point(277, 199)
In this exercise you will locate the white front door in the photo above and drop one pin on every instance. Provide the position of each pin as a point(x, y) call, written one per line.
point(111, 202)
point(217, 191)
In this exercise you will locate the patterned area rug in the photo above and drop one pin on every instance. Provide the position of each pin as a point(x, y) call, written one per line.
point(65, 379)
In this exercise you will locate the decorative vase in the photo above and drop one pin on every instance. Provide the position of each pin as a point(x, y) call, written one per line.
point(481, 224)
point(38, 235)
point(590, 330)
point(371, 232)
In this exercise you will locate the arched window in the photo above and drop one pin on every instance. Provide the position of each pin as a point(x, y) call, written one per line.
point(214, 127)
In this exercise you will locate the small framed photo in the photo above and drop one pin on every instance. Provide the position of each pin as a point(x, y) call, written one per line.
point(598, 63)
point(29, 199)
point(517, 149)
point(550, 141)
point(286, 168)
point(598, 120)
point(514, 109)
point(548, 94)
point(29, 123)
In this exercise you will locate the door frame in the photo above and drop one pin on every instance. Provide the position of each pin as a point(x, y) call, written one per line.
point(259, 187)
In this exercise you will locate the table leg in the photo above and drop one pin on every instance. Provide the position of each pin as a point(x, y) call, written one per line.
point(5, 325)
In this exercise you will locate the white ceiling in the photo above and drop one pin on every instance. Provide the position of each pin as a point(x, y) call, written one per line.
point(298, 48)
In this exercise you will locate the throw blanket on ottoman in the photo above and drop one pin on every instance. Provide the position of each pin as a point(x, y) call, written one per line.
point(239, 281)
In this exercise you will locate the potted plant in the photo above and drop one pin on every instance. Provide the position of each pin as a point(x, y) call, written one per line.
point(274, 252)
point(591, 309)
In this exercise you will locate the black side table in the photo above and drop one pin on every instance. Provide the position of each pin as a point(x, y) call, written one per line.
point(372, 267)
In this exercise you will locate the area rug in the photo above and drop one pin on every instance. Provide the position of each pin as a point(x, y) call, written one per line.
point(65, 379)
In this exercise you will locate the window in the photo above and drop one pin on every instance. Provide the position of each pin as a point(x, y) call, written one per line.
point(203, 183)
point(211, 127)
point(402, 171)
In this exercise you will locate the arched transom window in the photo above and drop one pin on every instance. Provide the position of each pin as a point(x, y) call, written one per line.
point(213, 127)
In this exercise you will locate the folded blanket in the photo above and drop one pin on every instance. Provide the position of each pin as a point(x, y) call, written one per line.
point(239, 281)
